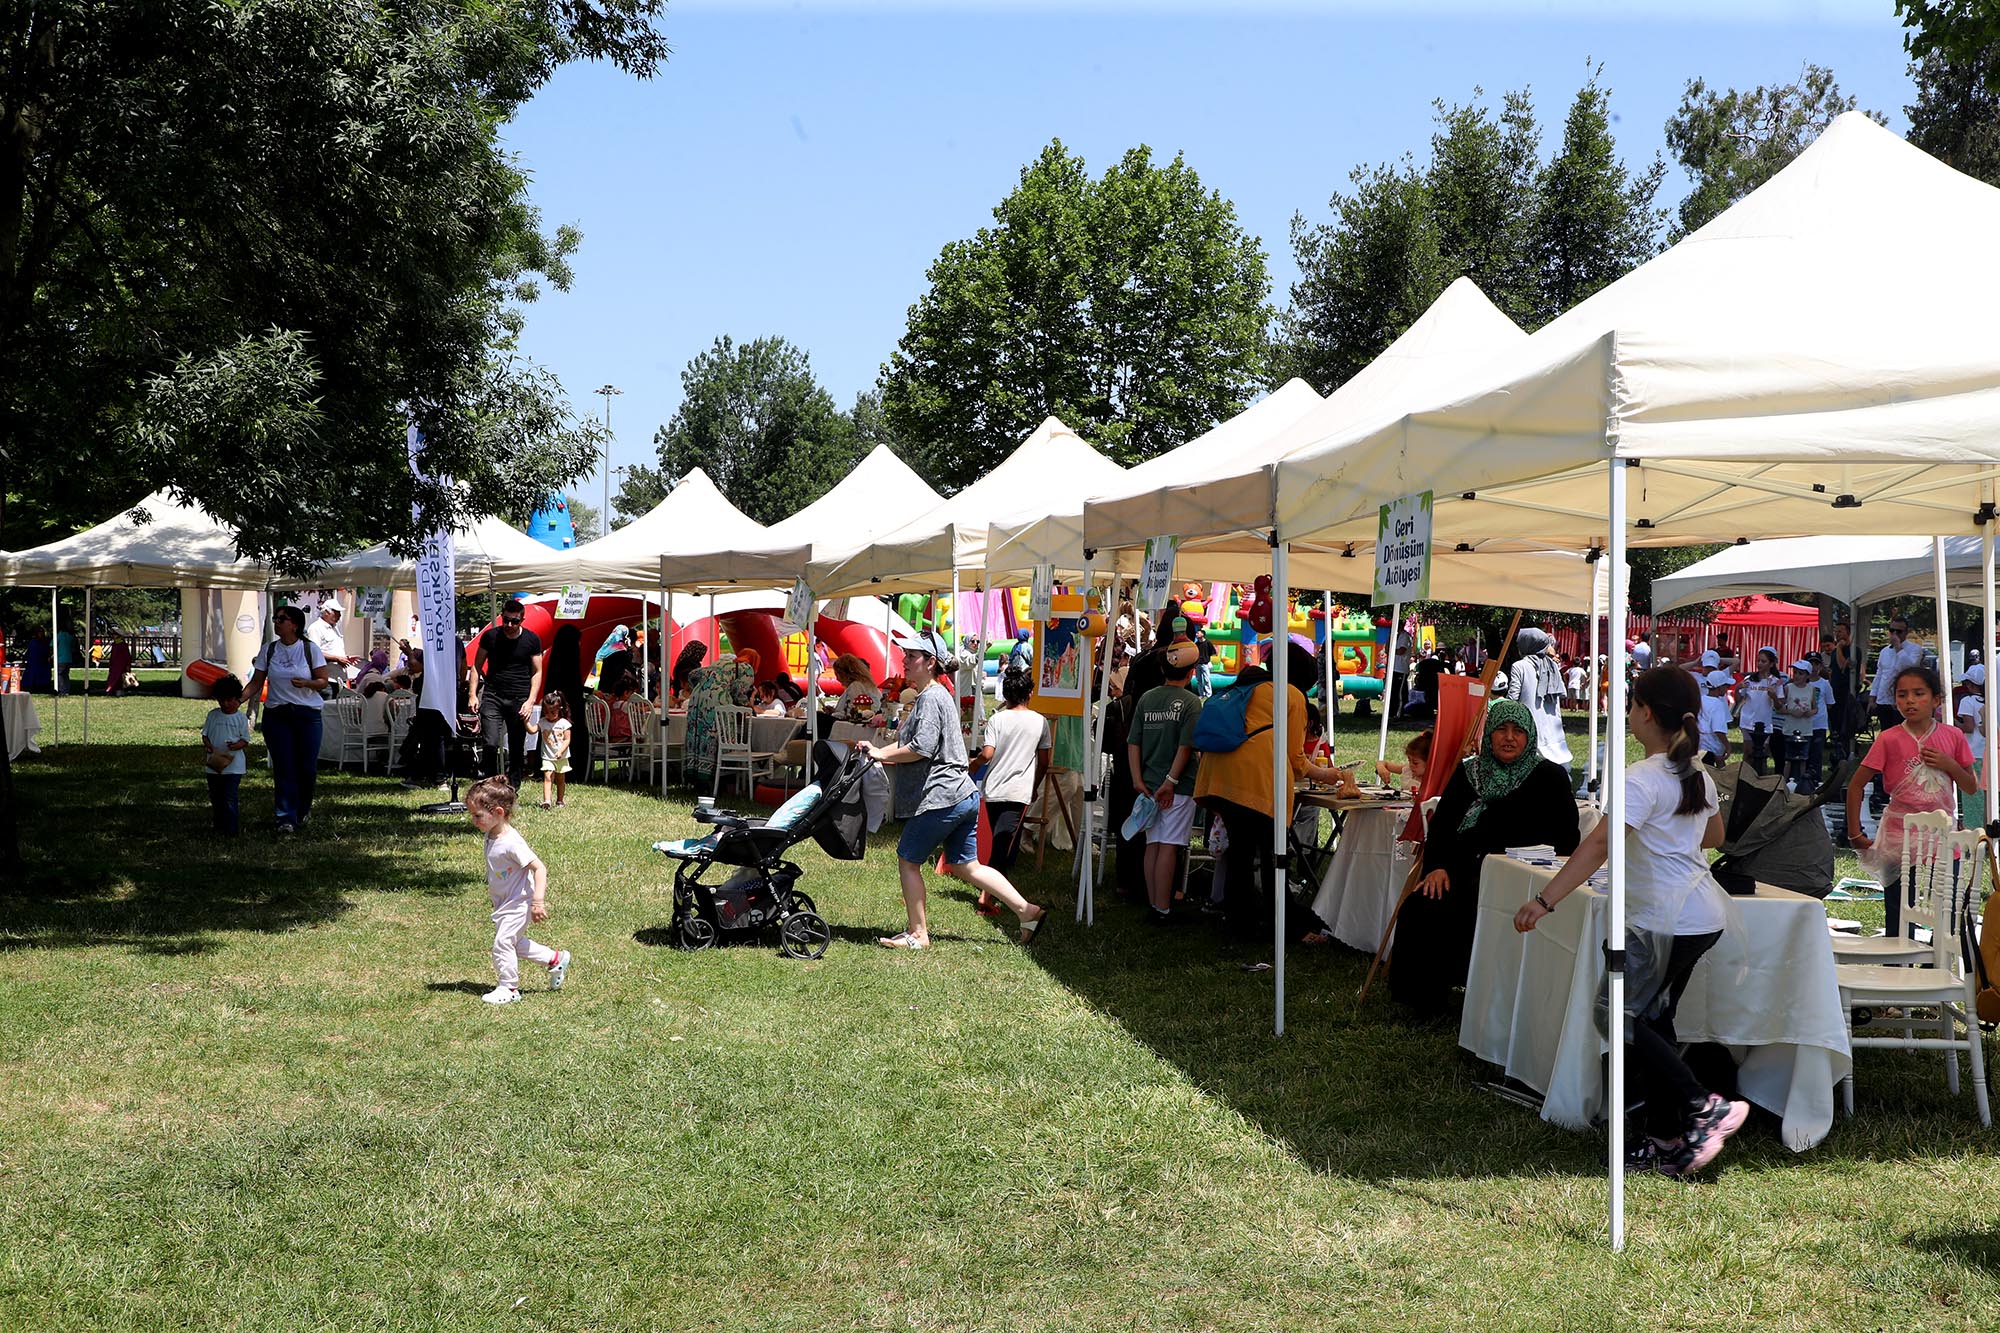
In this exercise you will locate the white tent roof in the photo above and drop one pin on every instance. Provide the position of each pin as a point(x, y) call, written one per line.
point(695, 520)
point(178, 546)
point(475, 551)
point(1820, 358)
point(1848, 569)
point(1013, 550)
point(1051, 469)
point(878, 496)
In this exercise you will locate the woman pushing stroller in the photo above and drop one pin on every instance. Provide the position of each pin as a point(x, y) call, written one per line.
point(937, 797)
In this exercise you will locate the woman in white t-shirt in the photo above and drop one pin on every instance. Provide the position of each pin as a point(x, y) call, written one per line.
point(1757, 709)
point(296, 672)
point(1016, 759)
point(1675, 913)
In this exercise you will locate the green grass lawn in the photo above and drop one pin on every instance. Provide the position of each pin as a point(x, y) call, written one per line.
point(250, 1085)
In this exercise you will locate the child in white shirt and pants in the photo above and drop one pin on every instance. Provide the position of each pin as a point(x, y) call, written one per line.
point(518, 884)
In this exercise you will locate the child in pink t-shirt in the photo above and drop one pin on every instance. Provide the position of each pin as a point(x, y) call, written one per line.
point(1924, 763)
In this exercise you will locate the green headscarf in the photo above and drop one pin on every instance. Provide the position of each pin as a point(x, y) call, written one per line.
point(1492, 779)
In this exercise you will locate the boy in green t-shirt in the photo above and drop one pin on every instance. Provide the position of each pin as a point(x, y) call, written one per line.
point(1160, 750)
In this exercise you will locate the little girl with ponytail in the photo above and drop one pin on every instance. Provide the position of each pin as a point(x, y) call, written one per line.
point(1674, 913)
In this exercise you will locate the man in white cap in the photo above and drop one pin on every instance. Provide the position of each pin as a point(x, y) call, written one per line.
point(324, 634)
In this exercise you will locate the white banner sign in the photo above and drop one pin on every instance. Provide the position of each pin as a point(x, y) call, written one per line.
point(1157, 576)
point(574, 602)
point(1042, 592)
point(1403, 551)
point(436, 609)
point(373, 605)
point(798, 608)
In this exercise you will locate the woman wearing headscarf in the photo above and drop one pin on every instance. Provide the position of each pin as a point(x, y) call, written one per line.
point(1535, 681)
point(614, 657)
point(1505, 796)
point(117, 666)
point(564, 672)
point(727, 684)
point(686, 663)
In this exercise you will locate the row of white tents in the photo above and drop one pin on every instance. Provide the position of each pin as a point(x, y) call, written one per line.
point(1820, 360)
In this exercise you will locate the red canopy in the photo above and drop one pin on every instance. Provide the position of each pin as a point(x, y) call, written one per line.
point(1761, 610)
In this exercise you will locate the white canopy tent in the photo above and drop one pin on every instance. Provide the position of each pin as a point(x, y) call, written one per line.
point(1854, 570)
point(1819, 359)
point(1050, 471)
point(878, 496)
point(475, 551)
point(693, 523)
point(176, 545)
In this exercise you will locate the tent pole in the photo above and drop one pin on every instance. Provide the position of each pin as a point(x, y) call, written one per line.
point(1388, 678)
point(1281, 772)
point(1086, 900)
point(979, 663)
point(1329, 700)
point(86, 663)
point(55, 658)
point(1080, 852)
point(1597, 599)
point(1614, 815)
point(1985, 654)
point(1943, 616)
point(666, 673)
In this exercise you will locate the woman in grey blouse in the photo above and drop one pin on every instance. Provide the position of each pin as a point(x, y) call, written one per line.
point(937, 798)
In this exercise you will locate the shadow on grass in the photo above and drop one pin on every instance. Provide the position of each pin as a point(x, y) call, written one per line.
point(458, 987)
point(120, 851)
point(1974, 1249)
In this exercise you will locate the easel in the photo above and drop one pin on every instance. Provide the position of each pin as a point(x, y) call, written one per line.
point(1416, 875)
point(1039, 820)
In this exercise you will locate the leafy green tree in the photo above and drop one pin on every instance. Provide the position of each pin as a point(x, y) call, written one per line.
point(1730, 142)
point(1593, 221)
point(585, 519)
point(1535, 236)
point(243, 246)
point(1131, 306)
point(1962, 31)
point(1956, 117)
point(754, 418)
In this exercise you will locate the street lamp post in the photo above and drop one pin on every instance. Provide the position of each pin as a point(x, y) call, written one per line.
point(607, 392)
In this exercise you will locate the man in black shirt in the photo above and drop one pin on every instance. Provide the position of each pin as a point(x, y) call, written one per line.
point(1428, 672)
point(507, 680)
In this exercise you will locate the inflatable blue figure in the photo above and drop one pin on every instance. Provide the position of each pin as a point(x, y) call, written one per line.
point(550, 525)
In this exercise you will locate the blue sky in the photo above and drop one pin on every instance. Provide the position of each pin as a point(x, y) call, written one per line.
point(797, 166)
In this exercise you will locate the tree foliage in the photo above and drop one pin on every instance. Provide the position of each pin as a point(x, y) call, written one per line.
point(755, 419)
point(1537, 236)
point(243, 245)
point(1132, 306)
point(1963, 32)
point(1730, 142)
point(1956, 117)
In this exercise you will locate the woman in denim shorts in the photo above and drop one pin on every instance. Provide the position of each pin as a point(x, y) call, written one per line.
point(937, 798)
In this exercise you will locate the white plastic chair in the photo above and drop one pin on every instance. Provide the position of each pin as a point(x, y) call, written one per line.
point(597, 722)
point(353, 745)
point(1941, 882)
point(1897, 949)
point(733, 752)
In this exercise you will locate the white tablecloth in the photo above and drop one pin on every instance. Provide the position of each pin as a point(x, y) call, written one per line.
point(22, 724)
point(769, 735)
point(1767, 992)
point(1365, 877)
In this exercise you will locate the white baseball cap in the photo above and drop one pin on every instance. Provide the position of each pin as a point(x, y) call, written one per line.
point(1717, 679)
point(1711, 658)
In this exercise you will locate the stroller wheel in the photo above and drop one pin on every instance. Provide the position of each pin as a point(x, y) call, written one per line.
point(804, 935)
point(697, 933)
point(801, 903)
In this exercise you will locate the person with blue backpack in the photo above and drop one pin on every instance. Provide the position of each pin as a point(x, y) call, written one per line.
point(1235, 781)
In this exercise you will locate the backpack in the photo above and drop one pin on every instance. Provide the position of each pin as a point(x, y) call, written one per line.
point(1222, 725)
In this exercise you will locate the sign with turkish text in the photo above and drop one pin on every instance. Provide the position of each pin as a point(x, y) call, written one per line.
point(1403, 551)
point(798, 608)
point(574, 602)
point(436, 605)
point(1042, 592)
point(1156, 577)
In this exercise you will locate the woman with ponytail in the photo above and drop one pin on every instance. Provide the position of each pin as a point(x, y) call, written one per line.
point(1505, 796)
point(1674, 913)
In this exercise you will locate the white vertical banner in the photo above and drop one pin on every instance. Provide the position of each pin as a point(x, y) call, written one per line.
point(437, 594)
point(1041, 593)
point(1157, 577)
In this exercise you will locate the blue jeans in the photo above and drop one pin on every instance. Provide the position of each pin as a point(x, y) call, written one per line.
point(222, 793)
point(955, 828)
point(291, 733)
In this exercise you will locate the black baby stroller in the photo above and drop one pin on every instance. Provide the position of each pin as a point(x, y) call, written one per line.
point(763, 892)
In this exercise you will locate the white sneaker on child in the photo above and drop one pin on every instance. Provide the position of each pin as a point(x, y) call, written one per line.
point(501, 995)
point(559, 969)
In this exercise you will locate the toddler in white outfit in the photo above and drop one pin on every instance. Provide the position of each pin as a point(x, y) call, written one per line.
point(518, 884)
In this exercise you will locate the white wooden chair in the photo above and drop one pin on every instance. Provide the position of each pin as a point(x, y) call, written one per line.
point(1942, 867)
point(402, 712)
point(1896, 949)
point(733, 752)
point(353, 745)
point(643, 754)
point(597, 722)
point(673, 743)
